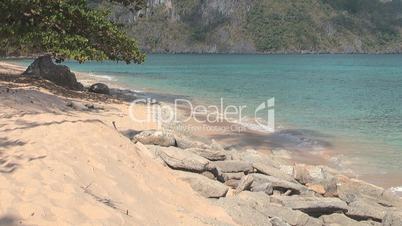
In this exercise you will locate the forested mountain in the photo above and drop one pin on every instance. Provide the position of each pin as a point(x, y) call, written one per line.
point(264, 25)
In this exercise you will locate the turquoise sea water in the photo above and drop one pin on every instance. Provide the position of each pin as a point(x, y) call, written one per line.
point(353, 102)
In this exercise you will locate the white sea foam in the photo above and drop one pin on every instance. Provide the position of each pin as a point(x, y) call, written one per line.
point(251, 123)
point(107, 77)
point(397, 189)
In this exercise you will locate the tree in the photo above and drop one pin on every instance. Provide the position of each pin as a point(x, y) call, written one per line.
point(67, 29)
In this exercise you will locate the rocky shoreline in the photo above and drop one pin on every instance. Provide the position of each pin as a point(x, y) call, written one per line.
point(257, 189)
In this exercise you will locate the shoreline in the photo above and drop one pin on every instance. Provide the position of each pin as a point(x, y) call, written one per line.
point(84, 160)
point(249, 138)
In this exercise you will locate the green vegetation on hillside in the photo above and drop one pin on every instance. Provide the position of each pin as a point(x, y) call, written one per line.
point(283, 25)
point(272, 26)
point(312, 25)
point(267, 26)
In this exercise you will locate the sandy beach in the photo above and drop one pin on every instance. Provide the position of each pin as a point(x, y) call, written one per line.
point(60, 166)
point(66, 159)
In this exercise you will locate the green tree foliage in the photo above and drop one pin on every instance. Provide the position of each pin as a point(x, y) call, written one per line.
point(68, 29)
point(139, 4)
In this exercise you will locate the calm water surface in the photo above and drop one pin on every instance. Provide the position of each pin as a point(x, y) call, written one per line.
point(352, 102)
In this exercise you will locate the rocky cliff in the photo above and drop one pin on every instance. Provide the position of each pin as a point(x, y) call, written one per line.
point(266, 26)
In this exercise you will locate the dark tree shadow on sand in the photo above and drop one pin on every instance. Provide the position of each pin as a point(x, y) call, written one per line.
point(9, 220)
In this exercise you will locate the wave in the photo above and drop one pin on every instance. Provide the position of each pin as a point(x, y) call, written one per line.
point(255, 124)
point(396, 189)
point(107, 77)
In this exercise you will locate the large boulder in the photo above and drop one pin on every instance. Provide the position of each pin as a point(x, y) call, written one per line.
point(256, 207)
point(186, 143)
point(178, 159)
point(244, 184)
point(212, 155)
point(276, 221)
point(351, 190)
point(232, 166)
point(308, 174)
point(366, 210)
point(242, 209)
point(223, 177)
point(233, 183)
point(390, 198)
point(253, 156)
point(277, 184)
point(265, 187)
point(77, 106)
point(392, 218)
point(313, 206)
point(155, 137)
point(270, 170)
point(99, 88)
point(204, 186)
point(43, 67)
point(338, 219)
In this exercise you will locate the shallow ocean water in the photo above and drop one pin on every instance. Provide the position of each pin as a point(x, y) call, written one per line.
point(350, 103)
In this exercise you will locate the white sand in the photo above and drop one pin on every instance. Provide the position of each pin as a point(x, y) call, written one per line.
point(59, 167)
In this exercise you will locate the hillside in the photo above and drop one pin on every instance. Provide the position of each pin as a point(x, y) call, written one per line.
point(264, 26)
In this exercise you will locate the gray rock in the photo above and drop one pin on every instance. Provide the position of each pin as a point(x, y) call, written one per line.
point(208, 154)
point(331, 187)
point(216, 146)
point(313, 174)
point(186, 143)
point(366, 210)
point(388, 197)
point(232, 183)
point(307, 174)
point(99, 88)
point(392, 218)
point(209, 175)
point(272, 171)
point(350, 190)
point(77, 106)
point(313, 206)
point(178, 159)
point(260, 209)
point(276, 221)
point(244, 184)
point(43, 67)
point(232, 166)
point(253, 156)
point(204, 186)
point(370, 223)
point(338, 219)
point(265, 187)
point(243, 212)
point(277, 184)
point(292, 217)
point(155, 137)
point(288, 169)
point(229, 176)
